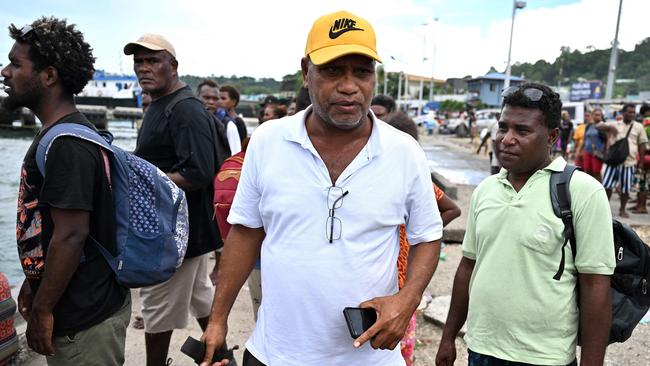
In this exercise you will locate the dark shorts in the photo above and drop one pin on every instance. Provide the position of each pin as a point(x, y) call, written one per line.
point(100, 345)
point(477, 359)
point(250, 360)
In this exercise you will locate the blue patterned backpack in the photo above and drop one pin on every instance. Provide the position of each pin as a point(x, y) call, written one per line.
point(150, 210)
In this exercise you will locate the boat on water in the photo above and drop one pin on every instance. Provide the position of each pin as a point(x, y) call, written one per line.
point(111, 90)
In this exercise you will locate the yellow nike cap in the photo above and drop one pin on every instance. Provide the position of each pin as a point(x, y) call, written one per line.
point(339, 34)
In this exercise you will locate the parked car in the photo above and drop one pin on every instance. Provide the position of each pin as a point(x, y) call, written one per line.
point(429, 121)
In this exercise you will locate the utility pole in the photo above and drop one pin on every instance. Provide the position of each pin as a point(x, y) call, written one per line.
point(376, 83)
point(420, 96)
point(406, 87)
point(399, 86)
point(611, 75)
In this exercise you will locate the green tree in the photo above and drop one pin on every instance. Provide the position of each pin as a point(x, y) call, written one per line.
point(573, 65)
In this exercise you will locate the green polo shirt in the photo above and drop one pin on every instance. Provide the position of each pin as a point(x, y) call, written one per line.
point(517, 311)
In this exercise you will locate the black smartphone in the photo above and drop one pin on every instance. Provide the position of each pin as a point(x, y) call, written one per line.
point(195, 349)
point(359, 320)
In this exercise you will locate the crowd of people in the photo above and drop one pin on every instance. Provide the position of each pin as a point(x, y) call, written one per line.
point(585, 143)
point(588, 142)
point(333, 208)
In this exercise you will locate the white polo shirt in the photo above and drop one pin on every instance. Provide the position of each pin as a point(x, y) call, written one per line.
point(306, 280)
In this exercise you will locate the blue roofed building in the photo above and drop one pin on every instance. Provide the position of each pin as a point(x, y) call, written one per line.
point(488, 88)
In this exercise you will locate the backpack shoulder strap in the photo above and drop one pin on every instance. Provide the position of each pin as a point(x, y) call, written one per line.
point(222, 151)
point(561, 202)
point(181, 96)
point(67, 129)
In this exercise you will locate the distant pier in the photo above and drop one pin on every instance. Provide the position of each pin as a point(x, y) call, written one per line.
point(23, 121)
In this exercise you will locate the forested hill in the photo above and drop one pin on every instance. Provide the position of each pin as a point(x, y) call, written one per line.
point(592, 65)
point(245, 84)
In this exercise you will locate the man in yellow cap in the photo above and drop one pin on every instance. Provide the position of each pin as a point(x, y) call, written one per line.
point(180, 137)
point(325, 221)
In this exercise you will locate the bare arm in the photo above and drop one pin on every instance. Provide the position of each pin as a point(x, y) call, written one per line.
point(181, 181)
point(641, 156)
point(448, 210)
point(64, 251)
point(241, 250)
point(595, 317)
point(394, 312)
point(423, 261)
point(457, 312)
point(607, 128)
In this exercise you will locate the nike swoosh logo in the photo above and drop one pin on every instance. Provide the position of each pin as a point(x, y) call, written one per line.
point(337, 34)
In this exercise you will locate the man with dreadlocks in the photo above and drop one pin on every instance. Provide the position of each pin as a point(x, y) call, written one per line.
point(76, 312)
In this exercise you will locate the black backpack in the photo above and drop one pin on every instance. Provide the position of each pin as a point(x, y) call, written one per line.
point(618, 152)
point(629, 289)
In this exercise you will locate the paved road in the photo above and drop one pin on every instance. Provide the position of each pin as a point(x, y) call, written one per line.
point(455, 162)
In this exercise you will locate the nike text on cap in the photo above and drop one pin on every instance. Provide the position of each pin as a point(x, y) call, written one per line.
point(152, 42)
point(339, 34)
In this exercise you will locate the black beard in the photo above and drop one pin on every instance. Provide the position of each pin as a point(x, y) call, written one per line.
point(9, 104)
point(29, 99)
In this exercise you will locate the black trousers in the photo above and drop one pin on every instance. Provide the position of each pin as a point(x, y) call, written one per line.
point(477, 359)
point(250, 360)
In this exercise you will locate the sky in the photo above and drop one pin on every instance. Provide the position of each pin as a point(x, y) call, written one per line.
point(261, 38)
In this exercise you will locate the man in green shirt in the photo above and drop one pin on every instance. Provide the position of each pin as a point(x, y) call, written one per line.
point(504, 287)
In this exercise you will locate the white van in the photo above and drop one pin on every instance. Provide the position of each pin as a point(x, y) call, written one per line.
point(576, 110)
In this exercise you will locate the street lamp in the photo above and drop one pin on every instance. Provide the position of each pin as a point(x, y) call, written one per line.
point(433, 61)
point(516, 5)
point(424, 60)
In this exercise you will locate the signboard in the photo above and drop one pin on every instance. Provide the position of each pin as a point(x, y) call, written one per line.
point(592, 89)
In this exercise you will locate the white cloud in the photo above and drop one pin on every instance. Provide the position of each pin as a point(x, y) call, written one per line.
point(266, 39)
point(539, 34)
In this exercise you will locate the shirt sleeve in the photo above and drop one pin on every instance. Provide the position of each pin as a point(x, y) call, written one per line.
point(70, 172)
point(424, 223)
point(194, 142)
point(594, 234)
point(469, 241)
point(233, 138)
point(245, 208)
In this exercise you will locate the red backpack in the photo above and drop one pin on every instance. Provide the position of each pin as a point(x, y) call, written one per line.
point(225, 186)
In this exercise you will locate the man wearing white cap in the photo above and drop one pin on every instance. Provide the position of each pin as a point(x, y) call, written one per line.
point(179, 136)
point(325, 222)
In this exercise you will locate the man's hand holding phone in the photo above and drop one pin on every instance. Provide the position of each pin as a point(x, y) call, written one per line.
point(214, 338)
point(393, 315)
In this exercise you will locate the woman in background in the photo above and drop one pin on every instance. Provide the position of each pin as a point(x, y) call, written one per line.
point(448, 211)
